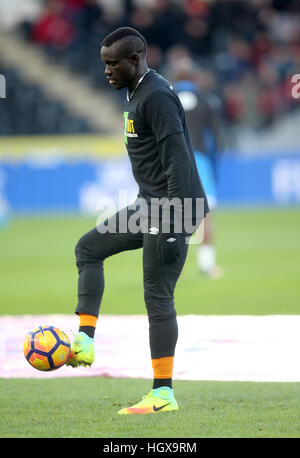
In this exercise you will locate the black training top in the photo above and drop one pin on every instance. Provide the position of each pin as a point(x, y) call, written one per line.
point(158, 142)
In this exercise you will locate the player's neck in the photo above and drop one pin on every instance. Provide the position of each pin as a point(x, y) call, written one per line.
point(141, 71)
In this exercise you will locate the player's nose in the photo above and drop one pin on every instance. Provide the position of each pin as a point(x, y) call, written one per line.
point(107, 71)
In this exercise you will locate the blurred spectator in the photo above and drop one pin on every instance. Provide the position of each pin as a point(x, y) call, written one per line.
point(53, 29)
point(196, 8)
point(90, 15)
point(173, 57)
point(143, 20)
point(235, 108)
point(271, 101)
point(155, 56)
point(196, 36)
point(235, 62)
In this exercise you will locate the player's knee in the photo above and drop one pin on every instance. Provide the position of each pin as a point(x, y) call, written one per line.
point(83, 251)
point(159, 297)
point(159, 308)
point(80, 248)
point(159, 316)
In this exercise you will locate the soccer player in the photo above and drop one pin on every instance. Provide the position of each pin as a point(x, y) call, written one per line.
point(202, 110)
point(163, 164)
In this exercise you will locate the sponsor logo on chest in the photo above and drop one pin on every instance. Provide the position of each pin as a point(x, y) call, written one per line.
point(129, 129)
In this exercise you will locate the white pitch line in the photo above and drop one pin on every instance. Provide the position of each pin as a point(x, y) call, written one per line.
point(210, 347)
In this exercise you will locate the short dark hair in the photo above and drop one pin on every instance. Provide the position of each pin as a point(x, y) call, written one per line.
point(132, 40)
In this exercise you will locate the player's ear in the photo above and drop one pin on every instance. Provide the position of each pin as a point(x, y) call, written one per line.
point(134, 58)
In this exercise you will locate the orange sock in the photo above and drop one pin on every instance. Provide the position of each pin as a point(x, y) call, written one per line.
point(88, 320)
point(88, 324)
point(163, 371)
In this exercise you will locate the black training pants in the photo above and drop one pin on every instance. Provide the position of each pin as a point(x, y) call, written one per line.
point(159, 280)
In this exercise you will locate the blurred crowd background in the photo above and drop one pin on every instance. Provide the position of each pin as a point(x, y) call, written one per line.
point(244, 51)
point(241, 54)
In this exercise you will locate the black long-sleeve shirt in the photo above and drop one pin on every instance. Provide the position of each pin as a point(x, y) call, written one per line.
point(158, 142)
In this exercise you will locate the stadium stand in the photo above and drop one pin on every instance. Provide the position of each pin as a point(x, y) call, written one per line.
point(252, 48)
point(27, 110)
point(253, 43)
point(58, 83)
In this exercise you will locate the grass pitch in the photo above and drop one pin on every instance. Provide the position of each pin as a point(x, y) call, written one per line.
point(259, 250)
point(87, 407)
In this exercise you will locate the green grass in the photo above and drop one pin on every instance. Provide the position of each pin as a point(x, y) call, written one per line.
point(259, 250)
point(88, 408)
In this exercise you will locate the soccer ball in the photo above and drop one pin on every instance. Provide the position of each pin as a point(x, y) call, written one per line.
point(47, 348)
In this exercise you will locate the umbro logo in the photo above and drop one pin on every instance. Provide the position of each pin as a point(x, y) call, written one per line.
point(171, 239)
point(153, 230)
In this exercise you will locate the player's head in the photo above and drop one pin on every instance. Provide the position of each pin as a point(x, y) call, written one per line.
point(124, 54)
